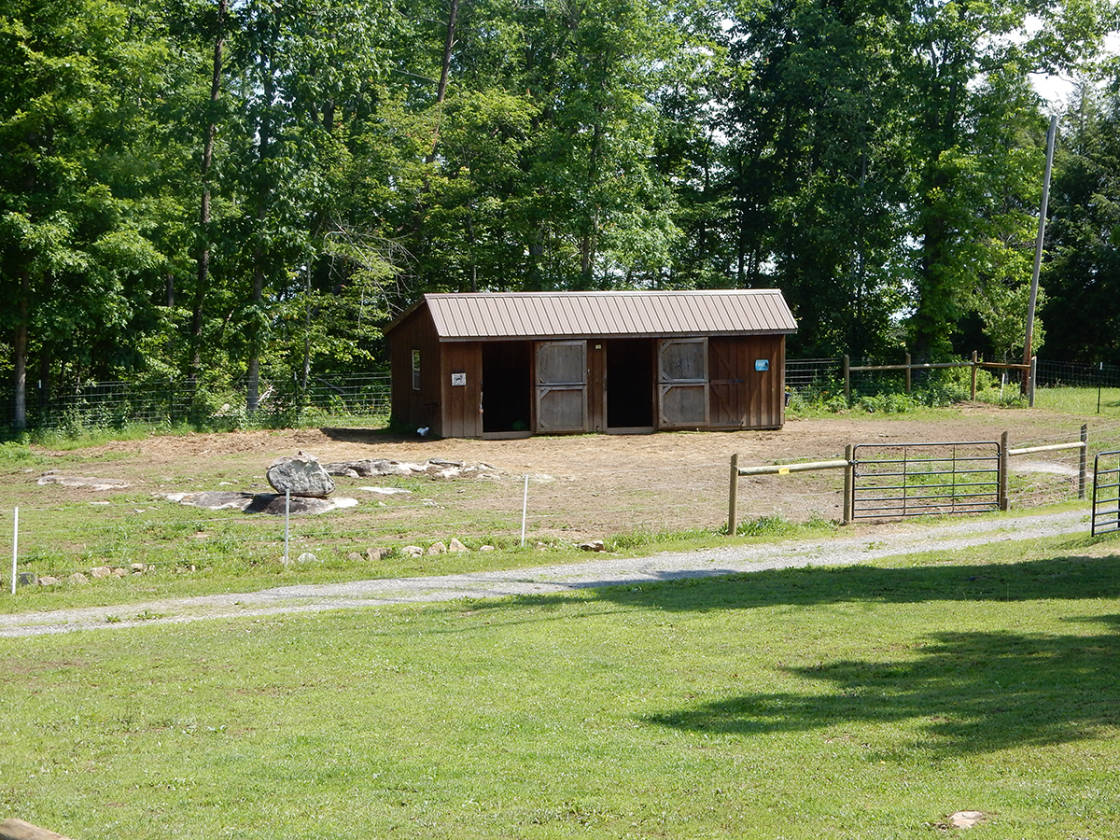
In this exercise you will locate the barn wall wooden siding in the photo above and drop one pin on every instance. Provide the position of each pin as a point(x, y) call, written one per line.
point(412, 408)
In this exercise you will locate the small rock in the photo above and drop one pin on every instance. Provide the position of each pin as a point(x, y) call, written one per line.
point(592, 545)
point(138, 567)
point(78, 579)
point(119, 573)
point(373, 555)
point(437, 548)
point(966, 819)
point(386, 491)
point(456, 547)
point(354, 557)
point(443, 462)
point(486, 548)
point(47, 580)
point(100, 572)
point(541, 546)
point(28, 579)
point(307, 557)
point(412, 551)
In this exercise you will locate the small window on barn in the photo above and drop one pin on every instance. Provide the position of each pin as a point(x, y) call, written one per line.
point(415, 370)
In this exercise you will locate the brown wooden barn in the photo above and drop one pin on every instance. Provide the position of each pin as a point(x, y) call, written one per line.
point(515, 363)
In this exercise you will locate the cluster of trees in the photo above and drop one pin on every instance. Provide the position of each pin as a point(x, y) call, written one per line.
point(191, 188)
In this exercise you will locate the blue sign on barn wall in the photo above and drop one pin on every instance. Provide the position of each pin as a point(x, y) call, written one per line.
point(761, 364)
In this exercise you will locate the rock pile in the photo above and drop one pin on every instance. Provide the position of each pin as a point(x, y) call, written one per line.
point(454, 546)
point(97, 573)
point(434, 468)
point(300, 475)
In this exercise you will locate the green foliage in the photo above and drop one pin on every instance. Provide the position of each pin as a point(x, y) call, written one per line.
point(879, 165)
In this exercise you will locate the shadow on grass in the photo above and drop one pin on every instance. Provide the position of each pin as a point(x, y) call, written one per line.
point(971, 692)
point(968, 692)
point(1070, 577)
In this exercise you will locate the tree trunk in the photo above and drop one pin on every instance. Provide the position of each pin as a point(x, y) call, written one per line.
point(444, 71)
point(253, 373)
point(19, 358)
point(204, 208)
point(44, 384)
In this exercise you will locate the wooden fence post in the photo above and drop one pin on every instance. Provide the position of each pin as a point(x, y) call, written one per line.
point(1002, 479)
point(1081, 461)
point(1033, 374)
point(972, 391)
point(907, 373)
point(848, 483)
point(847, 380)
point(733, 495)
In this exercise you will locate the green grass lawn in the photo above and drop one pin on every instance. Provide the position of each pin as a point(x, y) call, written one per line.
point(1081, 401)
point(860, 702)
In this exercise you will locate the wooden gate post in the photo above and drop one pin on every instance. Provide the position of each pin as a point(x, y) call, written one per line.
point(848, 483)
point(973, 389)
point(1081, 461)
point(847, 380)
point(908, 382)
point(733, 495)
point(1002, 479)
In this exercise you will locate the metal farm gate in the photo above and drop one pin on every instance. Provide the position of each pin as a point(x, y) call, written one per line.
point(924, 479)
point(1106, 493)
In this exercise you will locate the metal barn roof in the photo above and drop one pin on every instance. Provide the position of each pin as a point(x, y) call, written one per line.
point(576, 314)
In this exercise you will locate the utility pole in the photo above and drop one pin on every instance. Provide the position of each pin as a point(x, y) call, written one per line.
point(1051, 135)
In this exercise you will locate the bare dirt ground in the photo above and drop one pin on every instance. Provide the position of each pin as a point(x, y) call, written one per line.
point(581, 486)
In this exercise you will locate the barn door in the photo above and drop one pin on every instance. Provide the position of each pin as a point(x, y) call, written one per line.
point(682, 375)
point(729, 387)
point(561, 386)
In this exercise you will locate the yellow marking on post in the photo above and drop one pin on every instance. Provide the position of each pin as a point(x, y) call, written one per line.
point(783, 470)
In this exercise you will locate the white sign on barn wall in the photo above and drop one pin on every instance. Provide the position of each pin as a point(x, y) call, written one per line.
point(458, 379)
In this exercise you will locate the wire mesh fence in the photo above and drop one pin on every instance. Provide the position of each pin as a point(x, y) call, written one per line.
point(282, 399)
point(285, 399)
point(1053, 374)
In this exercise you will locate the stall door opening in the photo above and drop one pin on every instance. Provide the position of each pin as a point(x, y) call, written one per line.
point(506, 400)
point(683, 382)
point(561, 386)
point(629, 383)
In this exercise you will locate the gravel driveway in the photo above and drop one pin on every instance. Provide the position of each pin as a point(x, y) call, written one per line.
point(602, 571)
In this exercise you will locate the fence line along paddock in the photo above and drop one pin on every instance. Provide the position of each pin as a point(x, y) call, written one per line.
point(960, 498)
point(909, 368)
point(778, 469)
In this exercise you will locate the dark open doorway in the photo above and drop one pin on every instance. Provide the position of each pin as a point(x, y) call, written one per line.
point(630, 383)
point(506, 387)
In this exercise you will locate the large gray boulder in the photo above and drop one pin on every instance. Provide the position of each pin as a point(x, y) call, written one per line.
point(302, 475)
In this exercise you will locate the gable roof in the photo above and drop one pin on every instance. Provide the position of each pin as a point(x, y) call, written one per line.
point(576, 314)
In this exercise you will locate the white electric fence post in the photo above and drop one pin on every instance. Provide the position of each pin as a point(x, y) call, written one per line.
point(15, 548)
point(524, 507)
point(287, 518)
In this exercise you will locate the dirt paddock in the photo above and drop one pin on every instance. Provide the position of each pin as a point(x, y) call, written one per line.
point(580, 486)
